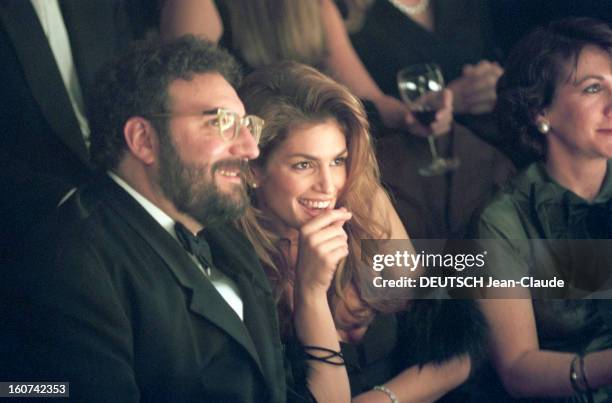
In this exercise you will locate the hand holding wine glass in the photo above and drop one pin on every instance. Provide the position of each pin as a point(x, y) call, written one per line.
point(421, 87)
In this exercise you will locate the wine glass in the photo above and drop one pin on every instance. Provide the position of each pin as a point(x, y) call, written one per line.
point(420, 87)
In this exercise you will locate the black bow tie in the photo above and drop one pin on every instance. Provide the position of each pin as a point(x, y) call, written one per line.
point(194, 244)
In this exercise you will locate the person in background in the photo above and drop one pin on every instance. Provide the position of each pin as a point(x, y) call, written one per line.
point(135, 290)
point(389, 35)
point(51, 51)
point(555, 97)
point(311, 32)
point(452, 34)
point(316, 165)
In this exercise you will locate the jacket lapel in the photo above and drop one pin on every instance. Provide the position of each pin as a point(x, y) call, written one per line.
point(41, 72)
point(205, 299)
point(235, 257)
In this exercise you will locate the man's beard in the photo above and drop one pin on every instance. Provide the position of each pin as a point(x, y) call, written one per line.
point(193, 190)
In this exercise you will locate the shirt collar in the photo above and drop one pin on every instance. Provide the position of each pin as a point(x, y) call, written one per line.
point(560, 212)
point(162, 218)
point(549, 190)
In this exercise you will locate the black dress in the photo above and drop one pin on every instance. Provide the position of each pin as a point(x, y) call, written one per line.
point(388, 41)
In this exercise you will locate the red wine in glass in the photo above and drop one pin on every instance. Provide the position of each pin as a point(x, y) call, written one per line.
point(421, 86)
point(425, 117)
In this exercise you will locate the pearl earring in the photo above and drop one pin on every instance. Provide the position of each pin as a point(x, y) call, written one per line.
point(254, 185)
point(543, 126)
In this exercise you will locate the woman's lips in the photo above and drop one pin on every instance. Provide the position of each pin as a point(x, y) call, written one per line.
point(314, 207)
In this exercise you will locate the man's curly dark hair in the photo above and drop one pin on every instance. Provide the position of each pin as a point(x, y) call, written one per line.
point(136, 84)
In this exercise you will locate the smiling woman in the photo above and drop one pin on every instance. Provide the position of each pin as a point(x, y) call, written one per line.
point(314, 146)
point(304, 176)
point(315, 158)
point(315, 195)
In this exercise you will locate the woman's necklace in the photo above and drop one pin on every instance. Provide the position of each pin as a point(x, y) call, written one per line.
point(411, 10)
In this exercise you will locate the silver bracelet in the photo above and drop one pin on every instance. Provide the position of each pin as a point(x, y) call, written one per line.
point(388, 392)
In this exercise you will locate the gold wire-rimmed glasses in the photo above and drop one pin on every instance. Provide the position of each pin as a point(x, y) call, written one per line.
point(226, 121)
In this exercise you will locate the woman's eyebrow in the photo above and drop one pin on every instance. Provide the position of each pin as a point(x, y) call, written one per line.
point(588, 77)
point(315, 158)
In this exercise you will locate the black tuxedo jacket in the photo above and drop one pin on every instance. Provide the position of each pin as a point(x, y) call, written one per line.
point(111, 303)
point(42, 150)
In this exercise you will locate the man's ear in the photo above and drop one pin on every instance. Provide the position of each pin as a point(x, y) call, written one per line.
point(141, 139)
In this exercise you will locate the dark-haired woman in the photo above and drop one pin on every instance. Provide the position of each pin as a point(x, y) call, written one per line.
point(556, 98)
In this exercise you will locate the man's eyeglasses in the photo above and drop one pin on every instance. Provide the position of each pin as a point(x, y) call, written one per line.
point(228, 123)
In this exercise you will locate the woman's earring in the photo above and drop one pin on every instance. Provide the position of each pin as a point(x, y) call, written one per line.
point(543, 126)
point(254, 185)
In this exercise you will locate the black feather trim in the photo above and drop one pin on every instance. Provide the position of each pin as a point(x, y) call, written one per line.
point(438, 330)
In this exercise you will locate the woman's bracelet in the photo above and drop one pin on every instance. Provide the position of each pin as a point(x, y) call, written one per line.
point(579, 382)
point(574, 375)
point(583, 373)
point(332, 357)
point(388, 392)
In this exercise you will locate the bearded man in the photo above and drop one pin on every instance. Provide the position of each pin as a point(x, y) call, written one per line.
point(134, 291)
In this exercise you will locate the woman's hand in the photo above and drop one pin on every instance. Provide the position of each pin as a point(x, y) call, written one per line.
point(396, 115)
point(440, 126)
point(322, 244)
point(474, 91)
